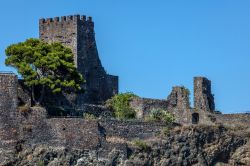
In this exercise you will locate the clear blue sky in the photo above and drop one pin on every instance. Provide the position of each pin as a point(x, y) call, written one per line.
point(155, 44)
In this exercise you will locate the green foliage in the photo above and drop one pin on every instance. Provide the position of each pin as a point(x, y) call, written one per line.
point(185, 91)
point(44, 65)
point(160, 115)
point(165, 131)
point(121, 105)
point(89, 116)
point(141, 145)
point(41, 163)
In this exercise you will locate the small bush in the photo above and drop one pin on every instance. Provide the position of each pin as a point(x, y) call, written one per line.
point(41, 163)
point(141, 145)
point(165, 131)
point(160, 116)
point(89, 116)
point(186, 92)
point(120, 104)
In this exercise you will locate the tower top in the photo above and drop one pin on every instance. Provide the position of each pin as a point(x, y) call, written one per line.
point(62, 19)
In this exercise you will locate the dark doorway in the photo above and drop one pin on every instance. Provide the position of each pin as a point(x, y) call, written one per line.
point(195, 118)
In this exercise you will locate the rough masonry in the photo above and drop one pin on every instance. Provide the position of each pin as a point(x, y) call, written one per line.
point(203, 97)
point(23, 128)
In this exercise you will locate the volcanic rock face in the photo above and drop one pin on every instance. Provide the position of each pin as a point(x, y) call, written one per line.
point(191, 145)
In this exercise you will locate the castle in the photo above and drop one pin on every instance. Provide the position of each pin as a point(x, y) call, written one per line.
point(20, 130)
point(77, 33)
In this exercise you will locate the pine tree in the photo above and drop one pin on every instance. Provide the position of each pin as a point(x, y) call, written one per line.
point(44, 65)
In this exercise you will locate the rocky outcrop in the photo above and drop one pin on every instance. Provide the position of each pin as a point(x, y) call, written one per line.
point(190, 145)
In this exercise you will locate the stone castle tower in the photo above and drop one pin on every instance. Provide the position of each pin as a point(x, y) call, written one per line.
point(77, 33)
point(203, 97)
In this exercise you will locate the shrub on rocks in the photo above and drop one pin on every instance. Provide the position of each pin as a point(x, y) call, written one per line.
point(120, 104)
point(158, 115)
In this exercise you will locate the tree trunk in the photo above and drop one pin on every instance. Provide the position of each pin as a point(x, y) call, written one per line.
point(41, 95)
point(39, 101)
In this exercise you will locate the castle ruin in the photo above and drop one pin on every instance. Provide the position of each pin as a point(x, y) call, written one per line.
point(33, 127)
point(77, 33)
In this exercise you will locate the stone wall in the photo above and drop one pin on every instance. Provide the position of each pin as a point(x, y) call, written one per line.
point(233, 119)
point(36, 128)
point(8, 110)
point(113, 84)
point(64, 31)
point(24, 94)
point(78, 34)
point(203, 97)
point(177, 103)
point(20, 130)
point(131, 130)
point(143, 106)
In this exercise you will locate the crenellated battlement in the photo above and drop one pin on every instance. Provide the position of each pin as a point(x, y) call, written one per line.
point(63, 19)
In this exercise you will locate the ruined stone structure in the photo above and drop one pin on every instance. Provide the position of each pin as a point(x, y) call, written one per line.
point(21, 131)
point(203, 97)
point(177, 103)
point(29, 135)
point(78, 34)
